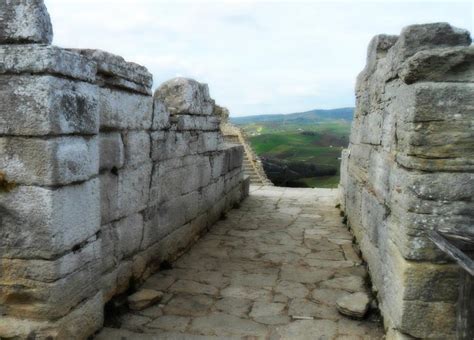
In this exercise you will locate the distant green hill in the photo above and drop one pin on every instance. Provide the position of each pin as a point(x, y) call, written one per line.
point(302, 118)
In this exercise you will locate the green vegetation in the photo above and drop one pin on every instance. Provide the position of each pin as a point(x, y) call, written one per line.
point(305, 151)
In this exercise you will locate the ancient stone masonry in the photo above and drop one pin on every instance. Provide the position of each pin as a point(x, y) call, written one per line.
point(100, 181)
point(409, 168)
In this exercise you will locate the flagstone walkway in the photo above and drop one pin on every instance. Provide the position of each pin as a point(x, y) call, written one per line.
point(271, 270)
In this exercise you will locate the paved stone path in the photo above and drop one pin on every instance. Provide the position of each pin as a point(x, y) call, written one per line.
point(271, 270)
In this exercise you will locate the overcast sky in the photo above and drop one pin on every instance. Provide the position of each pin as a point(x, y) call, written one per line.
point(257, 56)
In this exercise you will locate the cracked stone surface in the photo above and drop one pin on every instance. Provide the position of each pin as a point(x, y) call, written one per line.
point(281, 257)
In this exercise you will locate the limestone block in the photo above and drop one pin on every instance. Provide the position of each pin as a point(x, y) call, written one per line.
point(233, 196)
point(133, 188)
point(109, 244)
point(432, 186)
point(45, 222)
point(233, 179)
point(86, 319)
point(172, 144)
point(218, 161)
point(111, 150)
point(55, 161)
point(161, 115)
point(437, 139)
point(425, 281)
point(23, 22)
point(193, 122)
point(435, 164)
point(380, 168)
point(168, 183)
point(24, 270)
point(360, 156)
point(185, 96)
point(173, 245)
point(160, 141)
point(429, 320)
point(222, 113)
point(374, 214)
point(41, 59)
point(124, 110)
point(211, 194)
point(46, 105)
point(129, 235)
point(369, 130)
point(408, 231)
point(137, 147)
point(50, 301)
point(245, 187)
point(441, 64)
point(114, 71)
point(109, 199)
point(209, 141)
point(377, 49)
point(417, 38)
point(163, 218)
point(235, 157)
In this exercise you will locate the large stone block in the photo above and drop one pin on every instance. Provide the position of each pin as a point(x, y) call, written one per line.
point(114, 71)
point(40, 59)
point(124, 110)
point(53, 161)
point(441, 64)
point(137, 147)
point(209, 141)
point(111, 150)
point(129, 235)
point(417, 38)
point(168, 183)
point(174, 144)
point(161, 115)
point(50, 301)
point(23, 22)
point(185, 96)
point(22, 271)
point(212, 194)
point(125, 192)
point(47, 222)
point(162, 218)
point(193, 122)
point(85, 319)
point(46, 105)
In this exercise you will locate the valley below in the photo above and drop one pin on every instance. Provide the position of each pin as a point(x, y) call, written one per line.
point(300, 149)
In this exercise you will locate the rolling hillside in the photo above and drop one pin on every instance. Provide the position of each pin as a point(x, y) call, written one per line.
point(300, 149)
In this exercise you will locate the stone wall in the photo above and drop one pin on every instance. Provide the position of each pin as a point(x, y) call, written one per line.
point(409, 168)
point(100, 181)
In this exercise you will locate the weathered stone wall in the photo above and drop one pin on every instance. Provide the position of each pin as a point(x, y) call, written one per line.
point(409, 168)
point(100, 181)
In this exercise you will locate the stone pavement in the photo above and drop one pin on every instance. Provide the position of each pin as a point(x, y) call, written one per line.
point(270, 270)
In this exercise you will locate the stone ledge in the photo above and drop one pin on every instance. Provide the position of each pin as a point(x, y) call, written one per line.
point(114, 71)
point(443, 64)
point(42, 59)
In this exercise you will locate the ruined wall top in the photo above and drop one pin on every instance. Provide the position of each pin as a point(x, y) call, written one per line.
point(420, 52)
point(25, 22)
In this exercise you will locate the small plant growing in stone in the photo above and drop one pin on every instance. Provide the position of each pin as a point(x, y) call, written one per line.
point(5, 185)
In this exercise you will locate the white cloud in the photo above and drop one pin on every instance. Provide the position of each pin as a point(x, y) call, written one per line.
point(257, 56)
